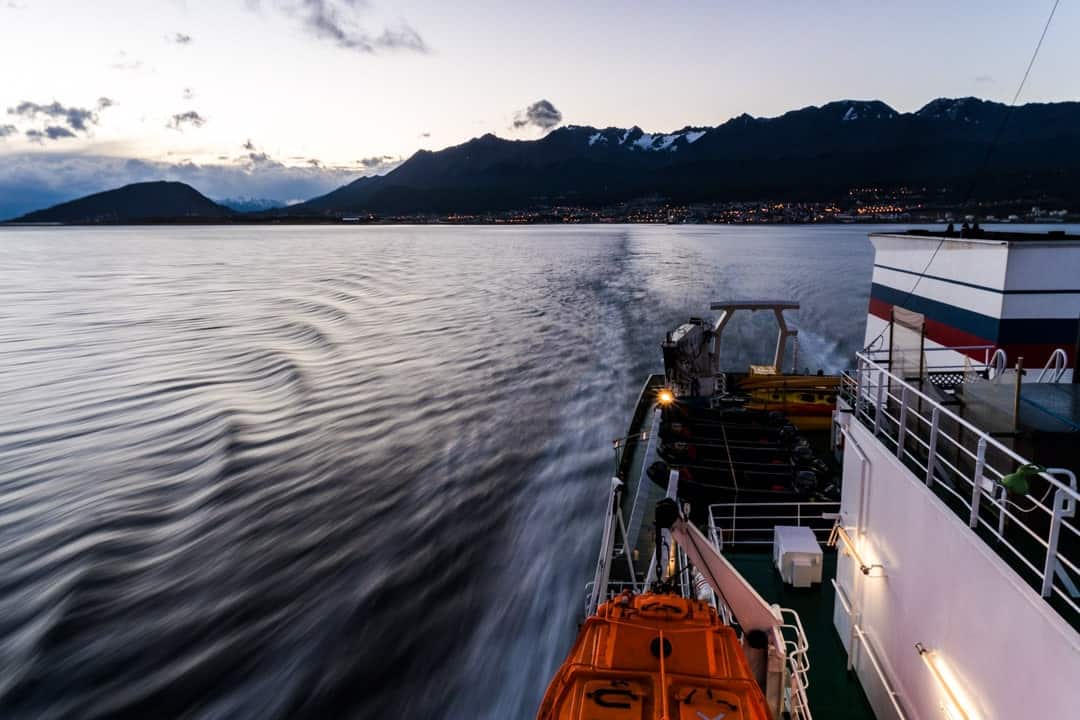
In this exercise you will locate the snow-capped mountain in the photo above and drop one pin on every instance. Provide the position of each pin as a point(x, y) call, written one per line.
point(810, 153)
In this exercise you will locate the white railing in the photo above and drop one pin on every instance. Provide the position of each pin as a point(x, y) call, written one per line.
point(966, 466)
point(601, 588)
point(759, 519)
point(796, 655)
point(998, 363)
point(882, 355)
point(856, 637)
point(1056, 366)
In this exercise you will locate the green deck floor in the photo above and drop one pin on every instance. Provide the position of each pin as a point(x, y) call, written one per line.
point(834, 693)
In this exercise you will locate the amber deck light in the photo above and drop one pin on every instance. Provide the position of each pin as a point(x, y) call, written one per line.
point(951, 704)
point(665, 397)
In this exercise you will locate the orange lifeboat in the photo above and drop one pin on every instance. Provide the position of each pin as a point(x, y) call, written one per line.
point(654, 657)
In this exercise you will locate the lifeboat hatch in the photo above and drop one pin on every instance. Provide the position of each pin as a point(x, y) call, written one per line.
point(616, 700)
point(697, 702)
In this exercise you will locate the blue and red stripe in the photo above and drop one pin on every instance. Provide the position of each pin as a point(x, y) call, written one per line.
point(950, 326)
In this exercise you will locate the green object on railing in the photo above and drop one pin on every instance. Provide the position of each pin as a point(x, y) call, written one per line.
point(1017, 482)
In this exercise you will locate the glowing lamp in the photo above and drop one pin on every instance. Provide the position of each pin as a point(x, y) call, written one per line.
point(665, 397)
point(952, 705)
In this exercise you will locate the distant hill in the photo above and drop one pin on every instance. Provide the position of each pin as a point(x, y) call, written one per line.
point(139, 202)
point(816, 153)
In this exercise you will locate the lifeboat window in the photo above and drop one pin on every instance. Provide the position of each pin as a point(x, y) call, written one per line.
point(806, 397)
point(776, 396)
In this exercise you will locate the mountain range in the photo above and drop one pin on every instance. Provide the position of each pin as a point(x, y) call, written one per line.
point(815, 153)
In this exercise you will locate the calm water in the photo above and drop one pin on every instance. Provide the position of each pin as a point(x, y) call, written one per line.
point(339, 472)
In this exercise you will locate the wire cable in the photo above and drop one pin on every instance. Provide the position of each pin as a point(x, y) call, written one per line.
point(982, 168)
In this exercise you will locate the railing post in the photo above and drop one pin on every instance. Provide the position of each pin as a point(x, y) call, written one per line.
point(903, 423)
point(931, 453)
point(976, 494)
point(1001, 502)
point(861, 388)
point(880, 401)
point(603, 563)
point(1052, 542)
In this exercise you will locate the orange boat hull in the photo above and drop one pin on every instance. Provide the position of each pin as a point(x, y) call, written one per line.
point(654, 657)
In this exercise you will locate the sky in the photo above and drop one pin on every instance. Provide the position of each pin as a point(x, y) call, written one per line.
point(286, 99)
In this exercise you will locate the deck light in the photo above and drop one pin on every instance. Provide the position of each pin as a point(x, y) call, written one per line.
point(665, 397)
point(839, 534)
point(951, 704)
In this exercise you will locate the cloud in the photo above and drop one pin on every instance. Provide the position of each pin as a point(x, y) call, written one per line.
point(181, 39)
point(189, 118)
point(541, 114)
point(377, 161)
point(255, 159)
point(6, 130)
point(338, 22)
point(33, 180)
point(188, 93)
point(425, 135)
point(51, 132)
point(123, 62)
point(75, 118)
point(984, 79)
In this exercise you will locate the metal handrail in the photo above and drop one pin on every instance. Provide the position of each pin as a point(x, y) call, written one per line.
point(719, 514)
point(870, 391)
point(997, 363)
point(1072, 492)
point(798, 663)
point(894, 696)
point(1059, 360)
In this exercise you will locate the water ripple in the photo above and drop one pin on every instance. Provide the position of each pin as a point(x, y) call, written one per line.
point(333, 472)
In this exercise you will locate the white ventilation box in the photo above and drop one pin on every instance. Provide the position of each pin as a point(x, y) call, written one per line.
point(797, 555)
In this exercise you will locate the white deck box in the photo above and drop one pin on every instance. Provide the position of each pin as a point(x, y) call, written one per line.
point(797, 555)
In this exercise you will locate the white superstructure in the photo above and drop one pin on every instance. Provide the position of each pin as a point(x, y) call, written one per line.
point(954, 598)
point(959, 297)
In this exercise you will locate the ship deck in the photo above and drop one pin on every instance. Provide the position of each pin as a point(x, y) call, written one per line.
point(834, 692)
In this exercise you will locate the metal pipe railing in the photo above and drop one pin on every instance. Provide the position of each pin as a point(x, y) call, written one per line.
point(725, 519)
point(873, 390)
point(1056, 366)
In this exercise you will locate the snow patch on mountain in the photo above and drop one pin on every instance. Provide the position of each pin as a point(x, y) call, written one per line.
point(950, 109)
point(660, 143)
point(863, 110)
point(667, 140)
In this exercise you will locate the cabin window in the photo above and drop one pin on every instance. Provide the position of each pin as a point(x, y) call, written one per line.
point(806, 397)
